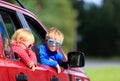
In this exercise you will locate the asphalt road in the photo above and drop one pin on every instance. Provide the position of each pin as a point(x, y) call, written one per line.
point(92, 63)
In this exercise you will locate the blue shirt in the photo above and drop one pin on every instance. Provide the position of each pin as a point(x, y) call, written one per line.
point(46, 55)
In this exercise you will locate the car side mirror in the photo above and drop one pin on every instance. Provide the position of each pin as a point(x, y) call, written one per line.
point(76, 59)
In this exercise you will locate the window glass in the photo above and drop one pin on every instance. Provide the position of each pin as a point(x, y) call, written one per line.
point(38, 39)
point(37, 31)
point(8, 23)
point(8, 30)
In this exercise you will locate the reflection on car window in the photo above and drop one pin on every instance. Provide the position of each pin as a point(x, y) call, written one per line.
point(38, 38)
point(7, 24)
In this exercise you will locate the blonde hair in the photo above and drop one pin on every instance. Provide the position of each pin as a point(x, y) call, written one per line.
point(22, 34)
point(54, 33)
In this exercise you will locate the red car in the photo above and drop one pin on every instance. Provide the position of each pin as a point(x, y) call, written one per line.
point(12, 18)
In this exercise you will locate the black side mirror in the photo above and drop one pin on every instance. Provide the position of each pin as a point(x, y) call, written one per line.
point(76, 59)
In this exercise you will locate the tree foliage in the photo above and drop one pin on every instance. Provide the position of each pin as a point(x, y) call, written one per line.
point(100, 28)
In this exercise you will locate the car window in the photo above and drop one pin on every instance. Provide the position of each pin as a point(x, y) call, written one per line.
point(38, 32)
point(38, 38)
point(9, 24)
point(6, 25)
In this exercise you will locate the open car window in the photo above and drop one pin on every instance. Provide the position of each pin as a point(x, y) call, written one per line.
point(38, 32)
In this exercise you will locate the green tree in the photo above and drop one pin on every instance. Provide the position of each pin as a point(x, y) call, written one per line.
point(99, 28)
point(116, 21)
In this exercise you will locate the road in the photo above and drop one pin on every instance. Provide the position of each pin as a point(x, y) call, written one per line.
point(91, 63)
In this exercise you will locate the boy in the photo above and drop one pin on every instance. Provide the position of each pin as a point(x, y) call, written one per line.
point(49, 52)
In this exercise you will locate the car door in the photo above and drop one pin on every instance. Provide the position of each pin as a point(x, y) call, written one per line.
point(15, 68)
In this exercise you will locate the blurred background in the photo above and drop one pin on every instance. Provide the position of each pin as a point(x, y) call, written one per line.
point(91, 26)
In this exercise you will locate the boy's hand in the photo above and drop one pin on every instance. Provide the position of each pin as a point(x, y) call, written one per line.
point(51, 59)
point(58, 68)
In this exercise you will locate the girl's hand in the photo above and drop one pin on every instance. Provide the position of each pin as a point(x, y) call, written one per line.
point(32, 66)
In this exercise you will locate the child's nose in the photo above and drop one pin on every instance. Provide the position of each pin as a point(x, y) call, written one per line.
point(54, 44)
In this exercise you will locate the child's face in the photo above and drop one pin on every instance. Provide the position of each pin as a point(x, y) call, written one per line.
point(53, 44)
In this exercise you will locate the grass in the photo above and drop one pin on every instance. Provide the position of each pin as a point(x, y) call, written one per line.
point(104, 74)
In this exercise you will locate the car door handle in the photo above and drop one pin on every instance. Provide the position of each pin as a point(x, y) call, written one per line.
point(78, 79)
point(54, 79)
point(21, 77)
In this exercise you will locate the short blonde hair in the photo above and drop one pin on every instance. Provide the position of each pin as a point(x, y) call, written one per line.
point(55, 33)
point(22, 34)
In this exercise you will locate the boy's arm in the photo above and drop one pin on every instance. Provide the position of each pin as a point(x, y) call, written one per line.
point(45, 59)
